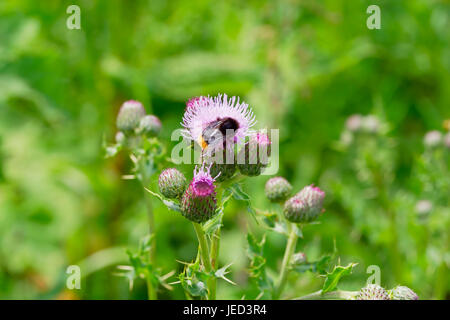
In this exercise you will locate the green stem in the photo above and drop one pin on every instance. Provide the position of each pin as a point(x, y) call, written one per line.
point(204, 253)
point(290, 248)
point(338, 294)
point(215, 246)
point(151, 291)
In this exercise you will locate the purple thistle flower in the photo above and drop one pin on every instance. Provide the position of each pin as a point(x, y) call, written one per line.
point(197, 102)
point(206, 120)
point(198, 203)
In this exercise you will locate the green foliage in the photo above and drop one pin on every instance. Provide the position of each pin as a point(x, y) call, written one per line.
point(333, 277)
point(303, 67)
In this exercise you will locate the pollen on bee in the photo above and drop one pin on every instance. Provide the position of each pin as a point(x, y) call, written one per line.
point(202, 143)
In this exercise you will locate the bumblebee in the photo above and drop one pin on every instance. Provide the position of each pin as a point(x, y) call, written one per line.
point(216, 132)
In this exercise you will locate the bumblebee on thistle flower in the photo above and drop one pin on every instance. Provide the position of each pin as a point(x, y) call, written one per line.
point(218, 121)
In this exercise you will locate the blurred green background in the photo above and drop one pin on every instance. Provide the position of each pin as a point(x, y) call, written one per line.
point(303, 66)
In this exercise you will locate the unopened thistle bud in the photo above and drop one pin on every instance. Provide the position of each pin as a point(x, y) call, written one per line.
point(423, 208)
point(432, 139)
point(305, 206)
point(403, 293)
point(373, 292)
point(223, 163)
point(370, 124)
point(198, 203)
point(447, 140)
point(130, 114)
point(120, 137)
point(150, 125)
point(254, 156)
point(354, 122)
point(299, 258)
point(277, 189)
point(172, 183)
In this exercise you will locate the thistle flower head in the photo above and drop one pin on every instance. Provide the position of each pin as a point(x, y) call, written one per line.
point(172, 183)
point(277, 189)
point(150, 125)
point(198, 203)
point(373, 292)
point(197, 102)
point(305, 206)
point(129, 116)
point(208, 121)
point(432, 138)
point(254, 155)
point(403, 293)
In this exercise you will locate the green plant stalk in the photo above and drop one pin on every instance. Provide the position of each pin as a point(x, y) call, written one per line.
point(290, 248)
point(338, 294)
point(215, 246)
point(152, 295)
point(204, 253)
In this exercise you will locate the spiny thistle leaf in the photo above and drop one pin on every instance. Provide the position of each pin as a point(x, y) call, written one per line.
point(332, 278)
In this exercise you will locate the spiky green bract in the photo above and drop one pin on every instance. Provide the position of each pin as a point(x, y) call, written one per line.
point(172, 183)
point(277, 189)
point(305, 206)
point(403, 293)
point(129, 116)
point(199, 203)
point(254, 155)
point(150, 125)
point(223, 163)
point(373, 292)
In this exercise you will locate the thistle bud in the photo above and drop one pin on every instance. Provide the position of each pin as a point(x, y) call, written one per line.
point(130, 114)
point(299, 258)
point(198, 203)
point(172, 183)
point(423, 208)
point(354, 122)
point(254, 156)
point(222, 161)
point(403, 293)
point(370, 124)
point(373, 292)
point(277, 189)
point(150, 125)
point(447, 140)
point(305, 206)
point(432, 139)
point(120, 137)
